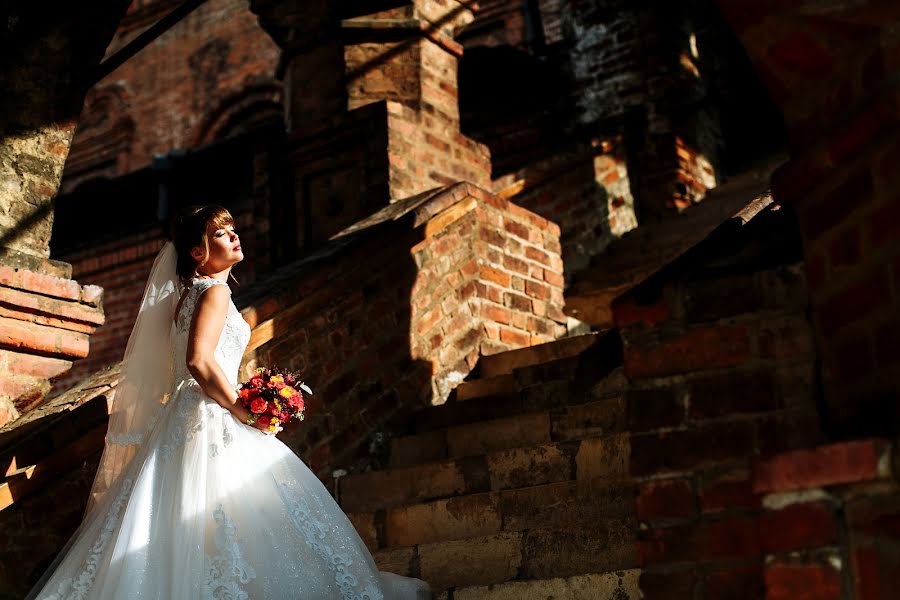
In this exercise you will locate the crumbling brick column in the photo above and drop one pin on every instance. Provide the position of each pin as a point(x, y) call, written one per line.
point(636, 69)
point(47, 66)
point(384, 93)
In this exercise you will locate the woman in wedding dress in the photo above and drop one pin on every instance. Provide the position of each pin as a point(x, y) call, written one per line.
point(190, 501)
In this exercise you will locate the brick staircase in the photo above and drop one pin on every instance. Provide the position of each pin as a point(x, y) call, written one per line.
point(517, 487)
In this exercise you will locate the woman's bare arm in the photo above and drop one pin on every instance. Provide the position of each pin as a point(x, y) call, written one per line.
point(206, 327)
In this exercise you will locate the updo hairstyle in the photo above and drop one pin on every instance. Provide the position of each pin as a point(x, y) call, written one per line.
point(189, 230)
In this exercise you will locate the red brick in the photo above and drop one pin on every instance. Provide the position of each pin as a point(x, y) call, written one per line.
point(685, 450)
point(797, 527)
point(57, 342)
point(631, 312)
point(517, 229)
point(729, 490)
point(517, 302)
point(537, 290)
point(699, 348)
point(515, 264)
point(742, 583)
point(800, 53)
point(802, 582)
point(867, 576)
point(732, 392)
point(498, 314)
point(830, 211)
point(665, 499)
point(834, 464)
point(538, 256)
point(38, 283)
point(875, 518)
point(731, 538)
point(854, 303)
point(494, 275)
point(554, 279)
point(514, 338)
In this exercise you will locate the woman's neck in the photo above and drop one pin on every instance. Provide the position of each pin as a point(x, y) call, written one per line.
point(221, 275)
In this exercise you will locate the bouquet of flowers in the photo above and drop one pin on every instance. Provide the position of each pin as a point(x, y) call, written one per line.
point(273, 398)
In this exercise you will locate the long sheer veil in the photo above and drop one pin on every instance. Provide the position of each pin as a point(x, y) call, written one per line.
point(147, 373)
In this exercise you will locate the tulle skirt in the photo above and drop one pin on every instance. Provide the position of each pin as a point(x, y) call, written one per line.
point(211, 508)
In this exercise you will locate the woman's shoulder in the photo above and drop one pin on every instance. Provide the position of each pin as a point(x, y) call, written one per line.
point(200, 285)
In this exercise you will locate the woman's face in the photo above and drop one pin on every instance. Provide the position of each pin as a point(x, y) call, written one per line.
point(224, 249)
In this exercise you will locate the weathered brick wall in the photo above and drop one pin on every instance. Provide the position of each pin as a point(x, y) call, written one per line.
point(585, 191)
point(390, 327)
point(490, 280)
point(853, 264)
point(719, 352)
point(121, 268)
point(202, 80)
point(837, 90)
point(45, 323)
point(812, 523)
point(425, 152)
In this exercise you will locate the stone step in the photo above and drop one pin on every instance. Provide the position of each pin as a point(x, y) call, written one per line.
point(498, 386)
point(617, 585)
point(499, 470)
point(568, 380)
point(26, 480)
point(597, 546)
point(603, 415)
point(571, 507)
point(506, 362)
point(33, 442)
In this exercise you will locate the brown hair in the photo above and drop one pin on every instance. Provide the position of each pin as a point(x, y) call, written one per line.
point(189, 230)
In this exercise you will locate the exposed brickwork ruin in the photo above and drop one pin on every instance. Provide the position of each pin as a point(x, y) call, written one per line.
point(599, 298)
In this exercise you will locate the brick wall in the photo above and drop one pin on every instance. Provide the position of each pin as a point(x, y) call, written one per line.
point(425, 152)
point(853, 264)
point(585, 191)
point(46, 321)
point(840, 107)
point(719, 352)
point(121, 268)
point(202, 80)
point(382, 329)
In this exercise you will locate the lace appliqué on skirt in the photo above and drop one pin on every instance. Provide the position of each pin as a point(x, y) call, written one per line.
point(227, 570)
point(78, 588)
point(188, 420)
point(313, 532)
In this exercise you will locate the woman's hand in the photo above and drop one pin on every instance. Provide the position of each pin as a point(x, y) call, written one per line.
point(265, 428)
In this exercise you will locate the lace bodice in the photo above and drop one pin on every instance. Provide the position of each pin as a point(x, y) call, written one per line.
point(231, 344)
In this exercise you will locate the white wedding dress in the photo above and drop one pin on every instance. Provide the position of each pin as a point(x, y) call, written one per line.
point(212, 508)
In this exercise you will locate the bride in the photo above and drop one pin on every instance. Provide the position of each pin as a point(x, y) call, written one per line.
point(190, 501)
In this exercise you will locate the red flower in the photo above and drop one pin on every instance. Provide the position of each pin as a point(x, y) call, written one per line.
point(259, 406)
point(264, 420)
